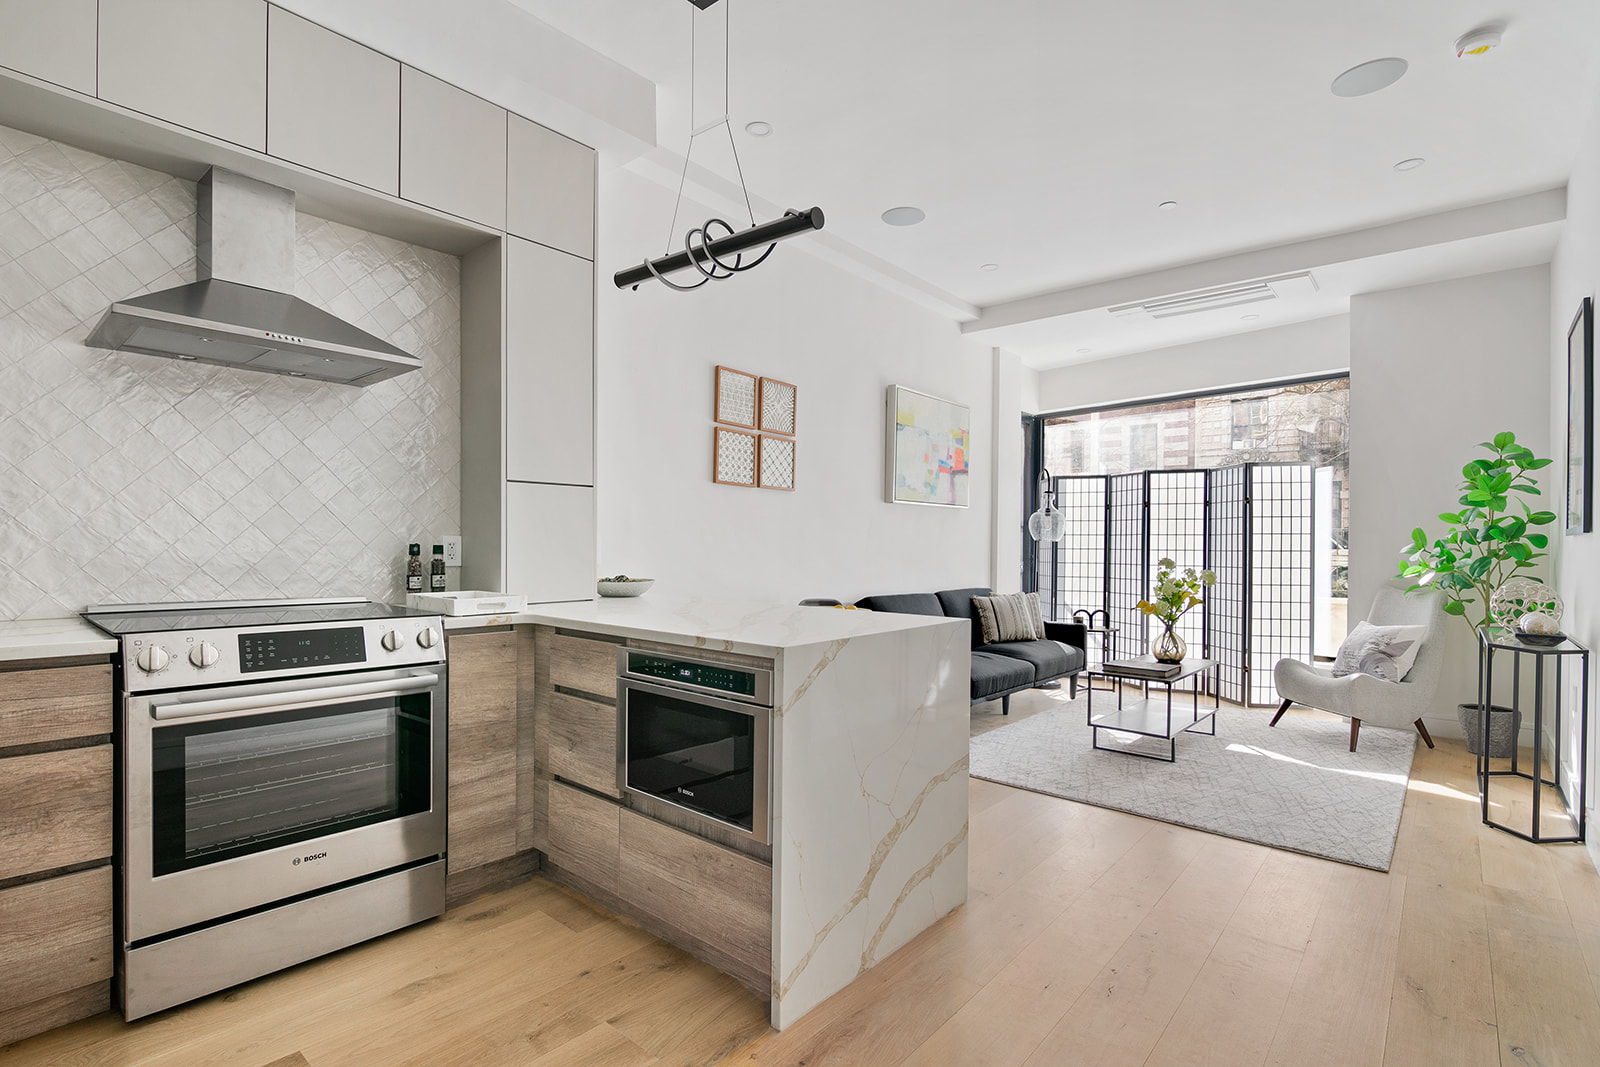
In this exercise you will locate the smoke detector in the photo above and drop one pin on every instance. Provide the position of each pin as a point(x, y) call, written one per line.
point(1478, 42)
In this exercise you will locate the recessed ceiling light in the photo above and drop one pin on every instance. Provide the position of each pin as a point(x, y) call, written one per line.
point(1369, 77)
point(1168, 205)
point(904, 216)
point(1248, 318)
point(1410, 164)
point(758, 128)
point(990, 266)
point(1477, 42)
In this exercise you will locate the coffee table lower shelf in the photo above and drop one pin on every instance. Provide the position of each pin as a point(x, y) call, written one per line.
point(1152, 718)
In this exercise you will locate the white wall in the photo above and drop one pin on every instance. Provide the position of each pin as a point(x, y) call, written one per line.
point(1010, 397)
point(1574, 274)
point(1434, 369)
point(841, 341)
point(1299, 350)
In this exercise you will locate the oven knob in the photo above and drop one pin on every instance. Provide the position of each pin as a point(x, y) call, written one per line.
point(428, 637)
point(392, 640)
point(153, 660)
point(203, 655)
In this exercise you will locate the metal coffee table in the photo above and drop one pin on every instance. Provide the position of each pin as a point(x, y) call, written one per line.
point(1154, 717)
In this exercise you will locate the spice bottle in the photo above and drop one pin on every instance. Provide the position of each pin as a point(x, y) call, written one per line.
point(414, 569)
point(436, 573)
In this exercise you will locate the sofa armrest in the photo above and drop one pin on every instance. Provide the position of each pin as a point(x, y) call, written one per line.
point(1068, 633)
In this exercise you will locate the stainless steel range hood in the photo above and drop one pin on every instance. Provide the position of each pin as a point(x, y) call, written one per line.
point(242, 312)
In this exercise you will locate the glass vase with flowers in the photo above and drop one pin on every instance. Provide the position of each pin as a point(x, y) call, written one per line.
point(1174, 594)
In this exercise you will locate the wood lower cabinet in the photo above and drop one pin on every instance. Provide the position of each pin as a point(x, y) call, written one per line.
point(585, 832)
point(482, 710)
point(702, 896)
point(56, 803)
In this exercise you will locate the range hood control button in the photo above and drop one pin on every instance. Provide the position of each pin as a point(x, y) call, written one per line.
point(428, 637)
point(203, 655)
point(153, 660)
point(392, 640)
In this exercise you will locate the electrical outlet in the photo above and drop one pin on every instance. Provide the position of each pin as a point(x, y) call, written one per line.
point(452, 551)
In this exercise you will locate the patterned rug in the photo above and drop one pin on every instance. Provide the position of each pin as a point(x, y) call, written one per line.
point(1296, 786)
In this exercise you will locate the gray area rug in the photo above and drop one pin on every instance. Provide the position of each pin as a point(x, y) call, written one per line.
point(1295, 786)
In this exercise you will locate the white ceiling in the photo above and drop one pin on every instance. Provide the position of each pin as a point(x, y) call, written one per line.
point(1041, 135)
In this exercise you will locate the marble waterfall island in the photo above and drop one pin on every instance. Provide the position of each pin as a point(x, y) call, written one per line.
point(869, 772)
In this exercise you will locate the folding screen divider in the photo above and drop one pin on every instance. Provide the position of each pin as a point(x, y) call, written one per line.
point(1252, 524)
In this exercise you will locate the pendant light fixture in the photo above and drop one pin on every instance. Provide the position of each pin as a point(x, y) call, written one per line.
point(1048, 523)
point(715, 250)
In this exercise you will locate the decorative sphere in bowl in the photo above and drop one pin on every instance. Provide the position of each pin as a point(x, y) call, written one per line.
point(622, 585)
point(1537, 622)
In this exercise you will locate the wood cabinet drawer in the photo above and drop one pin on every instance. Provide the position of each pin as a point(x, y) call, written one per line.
point(584, 665)
point(54, 704)
point(55, 810)
point(583, 742)
point(483, 678)
point(583, 836)
point(720, 898)
point(55, 936)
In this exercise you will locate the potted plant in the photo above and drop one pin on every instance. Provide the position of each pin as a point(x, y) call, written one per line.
point(1174, 595)
point(1490, 539)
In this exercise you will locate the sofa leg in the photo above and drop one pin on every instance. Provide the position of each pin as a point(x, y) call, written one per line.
point(1072, 688)
point(1355, 728)
point(1281, 709)
point(1423, 730)
point(1005, 704)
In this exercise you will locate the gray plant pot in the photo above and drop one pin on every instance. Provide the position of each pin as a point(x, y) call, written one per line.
point(1504, 725)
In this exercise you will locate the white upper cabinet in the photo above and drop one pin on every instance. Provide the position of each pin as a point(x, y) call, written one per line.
point(549, 366)
point(550, 539)
point(332, 105)
point(550, 188)
point(196, 63)
point(53, 41)
point(452, 149)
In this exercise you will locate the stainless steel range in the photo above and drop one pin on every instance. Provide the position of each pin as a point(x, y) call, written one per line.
point(282, 786)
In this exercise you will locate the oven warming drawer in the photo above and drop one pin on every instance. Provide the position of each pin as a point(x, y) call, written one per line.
point(167, 973)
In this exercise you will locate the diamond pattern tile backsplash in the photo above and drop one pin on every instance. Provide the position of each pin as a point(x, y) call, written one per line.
point(126, 477)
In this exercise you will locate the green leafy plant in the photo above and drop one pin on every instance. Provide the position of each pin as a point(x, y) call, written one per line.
point(1174, 593)
point(1490, 538)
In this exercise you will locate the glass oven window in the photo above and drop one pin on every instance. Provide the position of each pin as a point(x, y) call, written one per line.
point(693, 755)
point(231, 787)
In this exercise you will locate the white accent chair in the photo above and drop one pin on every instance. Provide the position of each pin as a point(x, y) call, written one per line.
point(1363, 698)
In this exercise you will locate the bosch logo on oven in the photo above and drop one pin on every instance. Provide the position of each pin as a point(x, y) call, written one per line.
point(307, 859)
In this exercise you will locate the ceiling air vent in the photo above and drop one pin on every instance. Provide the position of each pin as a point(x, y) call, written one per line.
point(1219, 296)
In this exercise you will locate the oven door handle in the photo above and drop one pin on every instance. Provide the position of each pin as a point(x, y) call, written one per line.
point(299, 698)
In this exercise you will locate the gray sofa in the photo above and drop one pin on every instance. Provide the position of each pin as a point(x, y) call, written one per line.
point(1007, 667)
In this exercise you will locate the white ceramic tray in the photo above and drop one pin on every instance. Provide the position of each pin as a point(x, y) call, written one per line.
point(468, 602)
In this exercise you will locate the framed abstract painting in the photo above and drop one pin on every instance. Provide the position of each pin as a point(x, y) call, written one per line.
point(927, 457)
point(1580, 420)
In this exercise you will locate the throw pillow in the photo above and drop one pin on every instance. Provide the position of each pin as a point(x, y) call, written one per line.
point(1385, 652)
point(1008, 617)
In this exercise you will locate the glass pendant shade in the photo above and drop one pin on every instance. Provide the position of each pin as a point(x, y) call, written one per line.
point(1047, 524)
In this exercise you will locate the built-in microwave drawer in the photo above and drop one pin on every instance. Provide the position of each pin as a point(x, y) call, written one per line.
point(703, 754)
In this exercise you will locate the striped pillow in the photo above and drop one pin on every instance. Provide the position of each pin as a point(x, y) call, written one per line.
point(1009, 617)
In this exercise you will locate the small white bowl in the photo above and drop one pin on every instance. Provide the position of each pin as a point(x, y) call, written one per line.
point(632, 587)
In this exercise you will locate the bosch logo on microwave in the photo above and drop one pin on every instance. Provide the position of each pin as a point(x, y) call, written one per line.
point(307, 859)
point(686, 792)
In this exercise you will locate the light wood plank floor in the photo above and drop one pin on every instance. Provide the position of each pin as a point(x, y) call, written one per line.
point(1091, 937)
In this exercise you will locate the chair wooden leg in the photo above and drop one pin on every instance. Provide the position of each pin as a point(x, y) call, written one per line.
point(1281, 709)
point(1423, 730)
point(1355, 728)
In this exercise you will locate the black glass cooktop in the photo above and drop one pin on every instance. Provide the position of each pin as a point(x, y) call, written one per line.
point(118, 619)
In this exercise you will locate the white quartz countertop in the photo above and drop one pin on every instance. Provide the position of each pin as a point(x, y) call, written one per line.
point(50, 638)
point(730, 626)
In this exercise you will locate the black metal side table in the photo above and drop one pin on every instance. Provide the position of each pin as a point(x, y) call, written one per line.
point(1108, 637)
point(1551, 729)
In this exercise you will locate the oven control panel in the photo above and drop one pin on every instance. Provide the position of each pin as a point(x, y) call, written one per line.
point(181, 658)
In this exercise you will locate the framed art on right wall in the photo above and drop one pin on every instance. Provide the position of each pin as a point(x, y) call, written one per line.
point(1580, 420)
